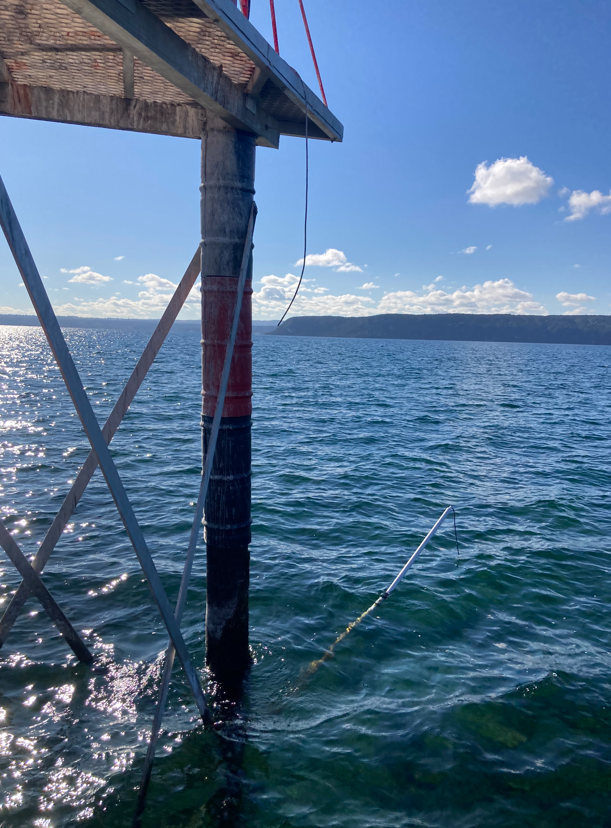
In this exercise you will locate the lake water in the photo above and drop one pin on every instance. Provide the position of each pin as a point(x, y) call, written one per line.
point(479, 694)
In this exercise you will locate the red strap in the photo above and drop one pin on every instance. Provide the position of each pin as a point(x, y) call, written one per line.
point(307, 28)
point(245, 4)
point(272, 9)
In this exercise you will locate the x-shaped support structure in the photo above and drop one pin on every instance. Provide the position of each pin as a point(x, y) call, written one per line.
point(100, 454)
point(85, 474)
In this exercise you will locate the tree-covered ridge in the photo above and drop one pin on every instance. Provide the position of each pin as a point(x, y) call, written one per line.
point(576, 330)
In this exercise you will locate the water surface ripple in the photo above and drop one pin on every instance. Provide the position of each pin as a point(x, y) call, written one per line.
point(478, 695)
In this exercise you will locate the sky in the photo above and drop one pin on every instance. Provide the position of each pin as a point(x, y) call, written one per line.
point(474, 175)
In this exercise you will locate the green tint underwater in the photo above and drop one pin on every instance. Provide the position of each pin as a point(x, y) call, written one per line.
point(478, 694)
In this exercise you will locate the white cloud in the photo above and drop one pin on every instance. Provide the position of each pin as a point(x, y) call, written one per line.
point(563, 191)
point(568, 299)
point(151, 302)
point(501, 296)
point(119, 258)
point(7, 309)
point(438, 279)
point(509, 181)
point(368, 286)
point(277, 292)
point(489, 247)
point(581, 311)
point(330, 258)
point(469, 250)
point(86, 276)
point(581, 203)
point(348, 268)
point(153, 282)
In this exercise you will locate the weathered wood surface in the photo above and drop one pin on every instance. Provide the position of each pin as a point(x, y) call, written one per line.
point(272, 67)
point(45, 104)
point(148, 38)
point(202, 55)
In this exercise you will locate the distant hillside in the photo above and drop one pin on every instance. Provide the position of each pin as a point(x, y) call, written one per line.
point(120, 324)
point(501, 327)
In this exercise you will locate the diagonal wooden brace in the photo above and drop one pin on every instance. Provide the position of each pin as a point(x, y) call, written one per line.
point(71, 500)
point(48, 320)
point(44, 596)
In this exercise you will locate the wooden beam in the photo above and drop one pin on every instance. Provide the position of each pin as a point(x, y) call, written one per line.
point(136, 29)
point(128, 74)
point(241, 32)
point(44, 104)
point(5, 75)
point(298, 129)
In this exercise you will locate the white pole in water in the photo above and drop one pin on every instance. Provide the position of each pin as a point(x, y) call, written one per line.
point(329, 654)
point(420, 549)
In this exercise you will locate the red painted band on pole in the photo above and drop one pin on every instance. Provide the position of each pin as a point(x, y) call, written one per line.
point(272, 9)
point(217, 316)
point(307, 28)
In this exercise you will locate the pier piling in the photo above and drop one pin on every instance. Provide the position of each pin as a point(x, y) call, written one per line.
point(227, 190)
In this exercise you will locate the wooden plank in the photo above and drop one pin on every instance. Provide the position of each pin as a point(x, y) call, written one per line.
point(241, 32)
point(44, 104)
point(5, 75)
point(144, 35)
point(128, 74)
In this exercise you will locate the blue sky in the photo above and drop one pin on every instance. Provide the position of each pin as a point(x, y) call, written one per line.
point(429, 91)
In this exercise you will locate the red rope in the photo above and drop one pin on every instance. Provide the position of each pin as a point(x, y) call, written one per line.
point(307, 28)
point(272, 9)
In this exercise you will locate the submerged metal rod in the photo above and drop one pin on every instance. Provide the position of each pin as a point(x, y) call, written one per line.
point(113, 422)
point(330, 652)
point(44, 310)
point(416, 554)
point(199, 513)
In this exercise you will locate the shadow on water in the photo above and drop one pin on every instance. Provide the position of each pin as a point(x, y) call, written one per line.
point(202, 783)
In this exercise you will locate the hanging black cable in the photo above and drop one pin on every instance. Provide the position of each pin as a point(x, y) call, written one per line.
point(305, 220)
